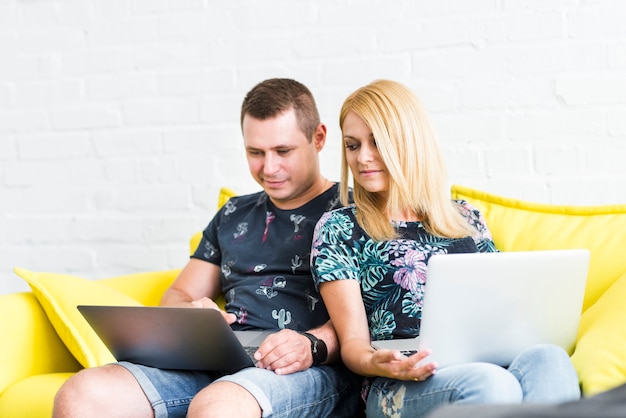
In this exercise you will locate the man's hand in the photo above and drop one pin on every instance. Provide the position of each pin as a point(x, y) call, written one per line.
point(210, 304)
point(285, 352)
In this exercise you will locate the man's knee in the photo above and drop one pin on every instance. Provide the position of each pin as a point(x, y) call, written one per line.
point(78, 389)
point(224, 399)
point(96, 391)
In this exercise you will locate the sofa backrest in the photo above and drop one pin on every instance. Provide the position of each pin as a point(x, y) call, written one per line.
point(517, 225)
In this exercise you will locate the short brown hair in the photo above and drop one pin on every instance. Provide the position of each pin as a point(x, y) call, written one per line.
point(271, 97)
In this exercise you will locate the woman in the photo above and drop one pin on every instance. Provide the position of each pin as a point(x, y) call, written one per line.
point(369, 261)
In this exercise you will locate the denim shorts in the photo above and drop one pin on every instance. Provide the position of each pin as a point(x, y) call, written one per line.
point(324, 391)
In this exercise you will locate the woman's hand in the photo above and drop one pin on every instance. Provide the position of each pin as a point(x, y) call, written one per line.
point(394, 364)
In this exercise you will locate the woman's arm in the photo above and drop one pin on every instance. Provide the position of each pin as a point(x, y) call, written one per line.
point(347, 313)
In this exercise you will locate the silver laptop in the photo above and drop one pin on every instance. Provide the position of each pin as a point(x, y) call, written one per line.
point(173, 337)
point(489, 307)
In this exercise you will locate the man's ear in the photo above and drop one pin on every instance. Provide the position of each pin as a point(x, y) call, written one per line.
point(319, 137)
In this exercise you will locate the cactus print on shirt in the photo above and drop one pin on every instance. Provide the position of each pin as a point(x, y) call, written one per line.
point(263, 253)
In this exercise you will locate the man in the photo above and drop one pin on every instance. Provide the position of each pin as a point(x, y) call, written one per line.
point(255, 251)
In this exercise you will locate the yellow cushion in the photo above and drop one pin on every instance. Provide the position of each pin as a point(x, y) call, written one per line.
point(518, 226)
point(600, 354)
point(59, 295)
point(33, 396)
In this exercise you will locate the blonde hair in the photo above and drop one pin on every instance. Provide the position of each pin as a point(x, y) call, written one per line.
point(408, 147)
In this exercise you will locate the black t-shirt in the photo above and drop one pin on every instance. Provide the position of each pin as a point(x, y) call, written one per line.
point(264, 255)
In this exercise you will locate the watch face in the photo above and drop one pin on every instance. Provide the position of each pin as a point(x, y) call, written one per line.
point(321, 351)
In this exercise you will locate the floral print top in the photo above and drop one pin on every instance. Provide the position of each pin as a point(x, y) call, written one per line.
point(391, 274)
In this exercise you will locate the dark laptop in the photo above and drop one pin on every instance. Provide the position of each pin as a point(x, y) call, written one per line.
point(173, 337)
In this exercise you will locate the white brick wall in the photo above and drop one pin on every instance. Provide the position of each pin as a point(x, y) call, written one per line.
point(119, 119)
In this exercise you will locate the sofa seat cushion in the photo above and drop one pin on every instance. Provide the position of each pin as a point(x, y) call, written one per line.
point(32, 396)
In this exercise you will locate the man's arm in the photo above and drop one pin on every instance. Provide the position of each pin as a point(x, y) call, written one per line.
point(198, 279)
point(197, 285)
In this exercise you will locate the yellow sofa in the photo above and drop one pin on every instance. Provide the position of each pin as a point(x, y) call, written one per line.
point(34, 360)
point(44, 340)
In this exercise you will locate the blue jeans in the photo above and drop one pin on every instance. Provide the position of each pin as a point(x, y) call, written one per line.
point(543, 373)
point(324, 391)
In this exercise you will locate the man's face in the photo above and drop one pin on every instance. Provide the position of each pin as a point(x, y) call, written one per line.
point(282, 159)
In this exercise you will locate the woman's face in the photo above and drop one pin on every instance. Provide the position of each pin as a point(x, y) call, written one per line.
point(366, 165)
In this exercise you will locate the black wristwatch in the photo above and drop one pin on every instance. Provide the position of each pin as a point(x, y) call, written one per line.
point(319, 351)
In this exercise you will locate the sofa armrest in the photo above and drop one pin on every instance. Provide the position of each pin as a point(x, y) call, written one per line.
point(30, 344)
